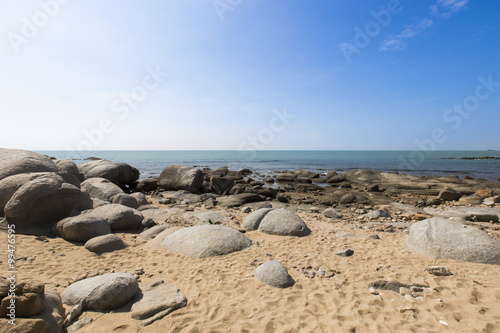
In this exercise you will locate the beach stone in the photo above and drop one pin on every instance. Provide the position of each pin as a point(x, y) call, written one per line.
point(85, 202)
point(471, 200)
point(348, 198)
point(332, 213)
point(205, 241)
point(100, 188)
point(246, 210)
point(186, 197)
point(221, 185)
point(148, 223)
point(104, 292)
point(445, 239)
point(345, 253)
point(362, 176)
point(379, 213)
point(273, 273)
point(77, 325)
point(393, 285)
point(67, 167)
point(42, 200)
point(285, 178)
point(237, 200)
point(140, 198)
point(16, 161)
point(481, 217)
point(81, 228)
point(105, 243)
point(147, 185)
point(120, 174)
point(438, 271)
point(253, 220)
point(125, 200)
point(29, 298)
point(152, 232)
point(449, 195)
point(157, 296)
point(118, 217)
point(181, 177)
point(210, 217)
point(284, 223)
point(433, 201)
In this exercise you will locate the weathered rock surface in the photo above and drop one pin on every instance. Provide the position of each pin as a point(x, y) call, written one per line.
point(332, 213)
point(377, 214)
point(100, 188)
point(284, 223)
point(253, 220)
point(181, 177)
point(206, 241)
point(445, 239)
point(237, 200)
point(120, 174)
point(81, 228)
point(119, 217)
point(152, 232)
point(221, 185)
point(105, 243)
point(274, 274)
point(104, 292)
point(449, 195)
point(16, 161)
point(125, 200)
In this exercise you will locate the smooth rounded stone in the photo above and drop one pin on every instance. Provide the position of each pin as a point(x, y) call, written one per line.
point(283, 222)
point(181, 177)
point(285, 178)
point(237, 200)
point(125, 199)
point(348, 198)
point(105, 243)
point(449, 195)
point(205, 241)
point(81, 228)
point(104, 292)
point(43, 200)
point(445, 239)
point(376, 214)
point(221, 185)
point(148, 223)
point(157, 297)
point(120, 174)
point(152, 232)
point(16, 161)
point(140, 198)
point(85, 202)
point(433, 201)
point(332, 213)
point(118, 217)
point(147, 185)
point(67, 167)
point(273, 273)
point(253, 220)
point(100, 188)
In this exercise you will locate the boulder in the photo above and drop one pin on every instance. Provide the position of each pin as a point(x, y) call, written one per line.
point(237, 200)
point(471, 200)
point(449, 195)
point(152, 232)
point(81, 228)
point(445, 239)
point(16, 161)
point(125, 199)
point(117, 216)
point(253, 220)
point(348, 198)
point(284, 223)
point(120, 174)
point(105, 243)
point(274, 274)
point(221, 185)
point(285, 178)
point(42, 200)
point(147, 185)
point(140, 198)
point(100, 188)
point(332, 213)
point(157, 299)
point(376, 214)
point(69, 168)
point(181, 177)
point(104, 292)
point(206, 241)
point(29, 298)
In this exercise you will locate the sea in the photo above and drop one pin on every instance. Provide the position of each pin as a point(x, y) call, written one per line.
point(150, 163)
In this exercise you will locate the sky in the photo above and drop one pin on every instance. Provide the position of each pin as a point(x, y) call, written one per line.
point(250, 74)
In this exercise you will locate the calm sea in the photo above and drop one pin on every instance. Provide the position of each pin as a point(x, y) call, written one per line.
point(440, 163)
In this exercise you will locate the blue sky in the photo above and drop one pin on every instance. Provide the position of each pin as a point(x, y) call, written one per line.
point(250, 74)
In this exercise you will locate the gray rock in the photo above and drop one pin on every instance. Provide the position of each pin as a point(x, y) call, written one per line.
point(104, 292)
point(449, 195)
point(253, 220)
point(105, 243)
point(221, 185)
point(445, 239)
point(285, 178)
point(118, 217)
point(148, 223)
point(152, 232)
point(481, 216)
point(157, 297)
point(81, 228)
point(284, 223)
point(120, 174)
point(16, 161)
point(206, 241)
point(147, 185)
point(210, 217)
point(471, 200)
point(100, 188)
point(237, 200)
point(181, 177)
point(348, 198)
point(246, 210)
point(378, 214)
point(67, 167)
point(85, 202)
point(187, 197)
point(140, 198)
point(274, 274)
point(345, 253)
point(393, 285)
point(125, 200)
point(332, 213)
point(43, 200)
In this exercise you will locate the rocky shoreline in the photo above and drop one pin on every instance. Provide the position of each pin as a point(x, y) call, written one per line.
point(98, 210)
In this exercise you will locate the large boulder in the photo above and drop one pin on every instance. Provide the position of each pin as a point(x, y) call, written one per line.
point(181, 177)
point(15, 161)
point(125, 200)
point(274, 274)
point(100, 188)
point(240, 199)
point(206, 241)
point(81, 228)
point(445, 239)
point(118, 217)
point(221, 185)
point(69, 171)
point(284, 223)
point(104, 292)
point(253, 220)
point(42, 200)
point(29, 298)
point(105, 243)
point(120, 174)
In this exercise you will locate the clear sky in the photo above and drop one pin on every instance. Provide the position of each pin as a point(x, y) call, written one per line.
point(243, 74)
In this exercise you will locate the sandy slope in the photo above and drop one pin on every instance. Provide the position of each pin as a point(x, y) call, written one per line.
point(224, 297)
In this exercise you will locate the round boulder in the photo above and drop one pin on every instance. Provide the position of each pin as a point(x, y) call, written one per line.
point(120, 174)
point(283, 222)
point(119, 217)
point(100, 188)
point(181, 177)
point(105, 243)
point(81, 228)
point(274, 274)
point(253, 220)
point(16, 161)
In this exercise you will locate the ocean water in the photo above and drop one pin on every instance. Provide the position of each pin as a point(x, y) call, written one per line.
point(440, 163)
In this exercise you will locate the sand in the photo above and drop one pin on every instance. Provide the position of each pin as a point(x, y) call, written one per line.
point(223, 295)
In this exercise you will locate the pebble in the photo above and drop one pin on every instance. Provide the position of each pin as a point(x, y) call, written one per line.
point(345, 253)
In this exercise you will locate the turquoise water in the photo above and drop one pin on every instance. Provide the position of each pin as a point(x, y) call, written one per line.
point(151, 163)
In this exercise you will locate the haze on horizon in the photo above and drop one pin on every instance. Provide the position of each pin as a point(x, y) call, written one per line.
point(250, 74)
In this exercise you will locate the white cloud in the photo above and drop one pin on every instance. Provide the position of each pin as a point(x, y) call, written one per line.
point(397, 42)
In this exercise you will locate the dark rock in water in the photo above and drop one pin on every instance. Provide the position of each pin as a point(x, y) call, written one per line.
point(246, 171)
point(273, 273)
point(269, 180)
point(221, 185)
point(120, 174)
point(16, 161)
point(147, 185)
point(449, 195)
point(181, 177)
point(393, 285)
